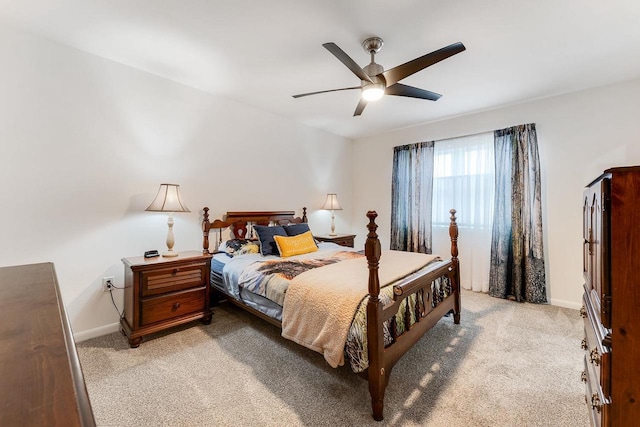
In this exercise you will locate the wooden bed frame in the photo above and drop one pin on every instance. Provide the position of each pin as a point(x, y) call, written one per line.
point(381, 359)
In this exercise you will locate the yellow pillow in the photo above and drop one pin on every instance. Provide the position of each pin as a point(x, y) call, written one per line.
point(296, 245)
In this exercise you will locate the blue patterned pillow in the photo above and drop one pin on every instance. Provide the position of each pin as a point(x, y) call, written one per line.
point(295, 229)
point(267, 243)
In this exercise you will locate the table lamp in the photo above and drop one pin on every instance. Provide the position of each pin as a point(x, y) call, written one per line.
point(332, 204)
point(168, 200)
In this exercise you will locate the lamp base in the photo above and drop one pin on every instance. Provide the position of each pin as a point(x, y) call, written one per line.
point(333, 234)
point(170, 254)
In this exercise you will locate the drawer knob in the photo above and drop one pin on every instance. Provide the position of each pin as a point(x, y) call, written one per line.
point(175, 271)
point(583, 344)
point(176, 306)
point(583, 312)
point(595, 402)
point(594, 357)
point(583, 377)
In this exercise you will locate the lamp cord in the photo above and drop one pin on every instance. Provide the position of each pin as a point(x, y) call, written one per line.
point(121, 315)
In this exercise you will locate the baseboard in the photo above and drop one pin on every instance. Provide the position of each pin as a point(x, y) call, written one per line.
point(96, 332)
point(115, 327)
point(565, 304)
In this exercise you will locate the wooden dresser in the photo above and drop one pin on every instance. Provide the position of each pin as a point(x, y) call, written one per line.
point(40, 376)
point(611, 310)
point(164, 292)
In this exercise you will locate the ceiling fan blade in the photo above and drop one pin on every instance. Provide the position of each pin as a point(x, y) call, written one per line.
point(360, 107)
point(399, 89)
point(346, 60)
point(398, 73)
point(325, 91)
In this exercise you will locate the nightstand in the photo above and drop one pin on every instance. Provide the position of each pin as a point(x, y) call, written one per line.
point(163, 292)
point(340, 239)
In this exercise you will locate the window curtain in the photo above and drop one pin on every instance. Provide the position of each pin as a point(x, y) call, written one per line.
point(517, 259)
point(411, 196)
point(464, 180)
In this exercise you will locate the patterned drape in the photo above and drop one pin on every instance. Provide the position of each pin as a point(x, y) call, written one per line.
point(517, 258)
point(411, 196)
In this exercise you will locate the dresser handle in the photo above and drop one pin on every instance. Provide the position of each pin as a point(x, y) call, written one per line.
point(594, 357)
point(176, 306)
point(583, 312)
point(583, 344)
point(583, 377)
point(595, 402)
point(175, 271)
point(590, 241)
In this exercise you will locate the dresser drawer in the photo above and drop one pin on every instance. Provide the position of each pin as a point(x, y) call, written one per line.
point(164, 280)
point(170, 306)
point(598, 355)
point(593, 356)
point(595, 399)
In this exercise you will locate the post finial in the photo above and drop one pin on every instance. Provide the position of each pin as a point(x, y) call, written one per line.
point(453, 234)
point(372, 226)
point(373, 251)
point(205, 230)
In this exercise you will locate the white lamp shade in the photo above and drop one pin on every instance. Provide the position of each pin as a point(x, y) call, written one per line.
point(332, 203)
point(168, 200)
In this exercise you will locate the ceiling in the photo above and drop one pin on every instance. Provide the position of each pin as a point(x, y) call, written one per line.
point(262, 52)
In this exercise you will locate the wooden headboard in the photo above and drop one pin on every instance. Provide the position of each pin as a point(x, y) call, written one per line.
point(238, 222)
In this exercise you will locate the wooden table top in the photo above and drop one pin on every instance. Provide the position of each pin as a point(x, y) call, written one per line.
point(40, 376)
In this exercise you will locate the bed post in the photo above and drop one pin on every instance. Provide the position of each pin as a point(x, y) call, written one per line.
point(375, 337)
point(205, 231)
point(304, 214)
point(453, 234)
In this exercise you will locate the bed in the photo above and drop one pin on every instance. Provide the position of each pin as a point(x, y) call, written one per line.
point(333, 296)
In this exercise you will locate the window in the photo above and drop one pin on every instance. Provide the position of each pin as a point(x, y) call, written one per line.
point(459, 174)
point(463, 178)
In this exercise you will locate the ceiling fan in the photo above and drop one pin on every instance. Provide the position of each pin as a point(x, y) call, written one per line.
point(375, 82)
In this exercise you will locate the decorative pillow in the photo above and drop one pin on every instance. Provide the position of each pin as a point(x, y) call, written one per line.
point(241, 246)
point(296, 245)
point(267, 244)
point(295, 229)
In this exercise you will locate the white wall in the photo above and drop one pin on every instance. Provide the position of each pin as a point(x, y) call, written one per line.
point(579, 135)
point(85, 143)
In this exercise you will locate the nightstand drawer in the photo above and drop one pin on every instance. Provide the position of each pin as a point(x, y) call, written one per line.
point(345, 241)
point(339, 239)
point(172, 279)
point(171, 306)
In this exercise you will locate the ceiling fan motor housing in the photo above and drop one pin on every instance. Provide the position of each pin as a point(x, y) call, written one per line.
point(372, 45)
point(373, 69)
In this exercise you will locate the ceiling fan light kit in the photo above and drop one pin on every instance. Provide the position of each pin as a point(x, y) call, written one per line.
point(372, 91)
point(375, 82)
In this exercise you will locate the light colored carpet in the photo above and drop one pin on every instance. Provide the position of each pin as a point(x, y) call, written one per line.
point(506, 364)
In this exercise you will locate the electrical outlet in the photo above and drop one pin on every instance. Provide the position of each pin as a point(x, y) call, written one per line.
point(107, 283)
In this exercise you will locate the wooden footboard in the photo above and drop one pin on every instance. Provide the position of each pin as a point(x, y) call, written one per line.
point(437, 293)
